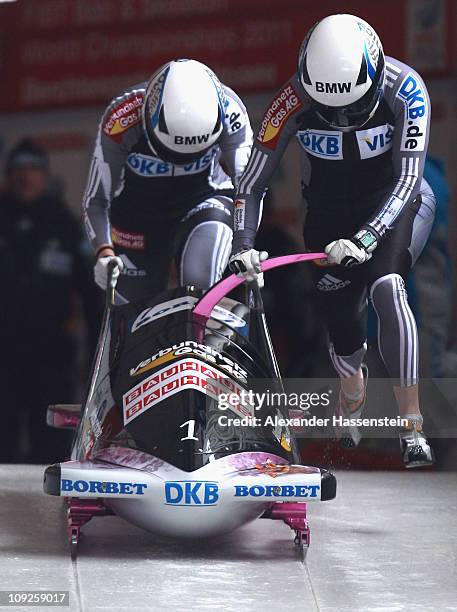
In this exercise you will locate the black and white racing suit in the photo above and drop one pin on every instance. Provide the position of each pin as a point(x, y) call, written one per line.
point(370, 178)
point(151, 211)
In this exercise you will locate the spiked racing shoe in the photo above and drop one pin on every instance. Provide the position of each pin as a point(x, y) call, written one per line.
point(349, 435)
point(415, 449)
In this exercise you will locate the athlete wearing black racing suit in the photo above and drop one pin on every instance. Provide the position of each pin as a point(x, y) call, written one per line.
point(150, 210)
point(365, 186)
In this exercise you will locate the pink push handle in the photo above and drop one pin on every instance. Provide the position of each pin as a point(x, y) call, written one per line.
point(206, 304)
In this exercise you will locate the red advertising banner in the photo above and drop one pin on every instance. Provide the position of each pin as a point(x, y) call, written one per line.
point(61, 53)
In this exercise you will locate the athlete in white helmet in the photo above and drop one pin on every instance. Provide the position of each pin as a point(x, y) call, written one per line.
point(156, 188)
point(362, 122)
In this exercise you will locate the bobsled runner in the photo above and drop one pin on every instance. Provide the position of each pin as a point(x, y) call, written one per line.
point(166, 438)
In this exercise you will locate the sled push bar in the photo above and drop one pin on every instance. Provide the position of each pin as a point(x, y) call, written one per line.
point(206, 304)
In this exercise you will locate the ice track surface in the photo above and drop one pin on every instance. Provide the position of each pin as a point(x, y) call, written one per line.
point(388, 543)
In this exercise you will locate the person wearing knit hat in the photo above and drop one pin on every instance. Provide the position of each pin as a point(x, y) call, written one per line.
point(27, 171)
point(27, 154)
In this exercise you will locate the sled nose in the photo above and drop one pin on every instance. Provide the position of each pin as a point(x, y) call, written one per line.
point(321, 488)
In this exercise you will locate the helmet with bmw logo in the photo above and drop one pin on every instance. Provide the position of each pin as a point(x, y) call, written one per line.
point(341, 68)
point(183, 111)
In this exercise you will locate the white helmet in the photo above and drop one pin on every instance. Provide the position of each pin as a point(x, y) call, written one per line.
point(183, 113)
point(341, 67)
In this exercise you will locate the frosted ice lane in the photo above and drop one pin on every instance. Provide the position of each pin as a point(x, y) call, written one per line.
point(349, 567)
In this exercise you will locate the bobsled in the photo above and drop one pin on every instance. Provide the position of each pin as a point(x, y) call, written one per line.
point(168, 436)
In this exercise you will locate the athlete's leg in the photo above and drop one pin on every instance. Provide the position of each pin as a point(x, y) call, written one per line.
point(204, 242)
point(352, 385)
point(397, 330)
point(342, 302)
point(145, 245)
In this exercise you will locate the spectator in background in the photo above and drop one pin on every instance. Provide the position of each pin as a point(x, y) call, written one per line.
point(44, 268)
